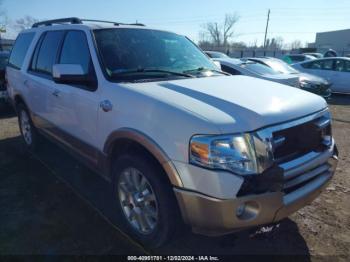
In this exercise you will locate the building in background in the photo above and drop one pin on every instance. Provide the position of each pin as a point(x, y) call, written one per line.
point(337, 40)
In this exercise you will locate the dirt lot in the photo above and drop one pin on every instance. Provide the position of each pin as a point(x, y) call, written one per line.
point(50, 204)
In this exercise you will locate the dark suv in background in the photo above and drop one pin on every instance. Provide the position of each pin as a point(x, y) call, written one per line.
point(4, 56)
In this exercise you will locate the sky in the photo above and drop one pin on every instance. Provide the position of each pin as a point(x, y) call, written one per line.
point(291, 20)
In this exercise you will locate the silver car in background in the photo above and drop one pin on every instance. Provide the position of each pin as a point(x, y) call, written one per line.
point(308, 82)
point(249, 68)
point(334, 69)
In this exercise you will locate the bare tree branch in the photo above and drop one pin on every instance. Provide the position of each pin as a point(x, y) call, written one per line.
point(220, 34)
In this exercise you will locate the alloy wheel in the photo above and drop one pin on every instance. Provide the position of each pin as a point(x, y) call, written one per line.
point(138, 201)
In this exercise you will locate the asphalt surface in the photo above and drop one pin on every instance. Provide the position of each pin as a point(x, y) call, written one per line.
point(52, 205)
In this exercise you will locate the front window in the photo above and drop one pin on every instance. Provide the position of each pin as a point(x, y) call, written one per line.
point(129, 54)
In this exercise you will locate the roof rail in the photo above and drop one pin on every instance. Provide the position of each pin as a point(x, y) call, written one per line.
point(71, 20)
point(76, 20)
point(110, 22)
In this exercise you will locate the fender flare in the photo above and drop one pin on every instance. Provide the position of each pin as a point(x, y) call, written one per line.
point(150, 145)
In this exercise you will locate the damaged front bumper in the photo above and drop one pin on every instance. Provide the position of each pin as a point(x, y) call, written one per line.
point(303, 180)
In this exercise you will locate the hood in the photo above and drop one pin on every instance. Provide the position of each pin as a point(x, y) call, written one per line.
point(290, 80)
point(313, 79)
point(234, 103)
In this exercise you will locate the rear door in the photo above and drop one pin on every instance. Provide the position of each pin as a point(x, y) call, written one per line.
point(342, 76)
point(39, 78)
point(15, 77)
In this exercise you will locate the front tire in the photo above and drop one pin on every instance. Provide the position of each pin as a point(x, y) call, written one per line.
point(144, 199)
point(29, 133)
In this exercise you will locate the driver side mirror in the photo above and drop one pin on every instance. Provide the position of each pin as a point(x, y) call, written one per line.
point(72, 74)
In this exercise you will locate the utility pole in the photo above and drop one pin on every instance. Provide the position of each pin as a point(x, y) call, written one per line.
point(267, 27)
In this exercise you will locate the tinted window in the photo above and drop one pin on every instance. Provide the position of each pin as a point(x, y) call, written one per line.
point(327, 64)
point(48, 51)
point(307, 65)
point(297, 58)
point(75, 50)
point(19, 50)
point(230, 70)
point(342, 66)
point(319, 65)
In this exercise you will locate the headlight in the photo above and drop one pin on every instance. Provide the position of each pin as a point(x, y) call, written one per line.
point(234, 153)
point(306, 85)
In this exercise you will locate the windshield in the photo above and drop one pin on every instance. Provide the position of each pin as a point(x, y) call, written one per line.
point(281, 67)
point(259, 68)
point(129, 53)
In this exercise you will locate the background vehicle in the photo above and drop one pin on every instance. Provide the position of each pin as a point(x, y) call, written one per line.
point(308, 82)
point(316, 55)
point(292, 59)
point(335, 70)
point(213, 54)
point(258, 70)
point(175, 137)
point(330, 53)
point(3, 91)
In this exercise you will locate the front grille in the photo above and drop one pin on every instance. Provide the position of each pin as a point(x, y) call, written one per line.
point(300, 140)
point(300, 180)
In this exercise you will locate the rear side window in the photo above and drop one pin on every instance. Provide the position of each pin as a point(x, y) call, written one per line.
point(342, 66)
point(319, 65)
point(20, 49)
point(75, 50)
point(307, 65)
point(47, 54)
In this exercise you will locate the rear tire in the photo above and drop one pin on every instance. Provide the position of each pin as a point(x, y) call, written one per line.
point(144, 199)
point(29, 133)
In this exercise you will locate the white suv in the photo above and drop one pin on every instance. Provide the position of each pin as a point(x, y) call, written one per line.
point(151, 113)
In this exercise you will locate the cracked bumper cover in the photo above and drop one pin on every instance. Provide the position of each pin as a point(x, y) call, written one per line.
point(211, 216)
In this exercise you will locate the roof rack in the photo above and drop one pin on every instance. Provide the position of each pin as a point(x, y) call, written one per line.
point(76, 20)
point(71, 20)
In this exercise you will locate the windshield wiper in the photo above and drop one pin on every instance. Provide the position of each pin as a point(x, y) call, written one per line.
point(149, 70)
point(203, 69)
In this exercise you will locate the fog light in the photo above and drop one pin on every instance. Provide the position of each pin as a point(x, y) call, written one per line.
point(240, 210)
point(248, 210)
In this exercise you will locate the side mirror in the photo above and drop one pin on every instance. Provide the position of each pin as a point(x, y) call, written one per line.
point(71, 74)
point(217, 63)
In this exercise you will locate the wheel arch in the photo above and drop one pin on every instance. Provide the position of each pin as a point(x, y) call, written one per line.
point(125, 139)
point(18, 99)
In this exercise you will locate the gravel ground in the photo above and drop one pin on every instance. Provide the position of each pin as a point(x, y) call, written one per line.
point(50, 204)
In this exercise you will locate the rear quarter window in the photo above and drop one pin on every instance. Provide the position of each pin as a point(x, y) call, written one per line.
point(20, 49)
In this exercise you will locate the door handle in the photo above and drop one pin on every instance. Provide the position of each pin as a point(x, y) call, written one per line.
point(106, 106)
point(25, 83)
point(56, 93)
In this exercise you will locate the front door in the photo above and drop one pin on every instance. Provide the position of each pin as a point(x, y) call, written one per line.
point(76, 106)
